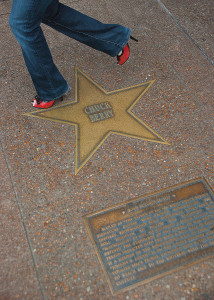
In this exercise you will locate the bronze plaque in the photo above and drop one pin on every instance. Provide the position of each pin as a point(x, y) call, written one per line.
point(153, 235)
point(97, 113)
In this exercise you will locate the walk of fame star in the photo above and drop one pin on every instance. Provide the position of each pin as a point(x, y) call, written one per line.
point(96, 114)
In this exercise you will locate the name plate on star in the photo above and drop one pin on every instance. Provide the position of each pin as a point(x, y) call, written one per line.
point(99, 112)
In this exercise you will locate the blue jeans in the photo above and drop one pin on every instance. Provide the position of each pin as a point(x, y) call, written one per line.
point(25, 19)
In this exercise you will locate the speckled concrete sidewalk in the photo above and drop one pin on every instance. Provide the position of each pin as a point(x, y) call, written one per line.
point(45, 250)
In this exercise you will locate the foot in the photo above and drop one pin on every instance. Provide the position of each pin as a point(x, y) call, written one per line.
point(123, 57)
point(38, 103)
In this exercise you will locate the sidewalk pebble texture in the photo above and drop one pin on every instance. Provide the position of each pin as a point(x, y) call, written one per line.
point(45, 250)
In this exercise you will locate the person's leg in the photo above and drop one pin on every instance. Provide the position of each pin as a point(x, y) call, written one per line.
point(25, 19)
point(108, 38)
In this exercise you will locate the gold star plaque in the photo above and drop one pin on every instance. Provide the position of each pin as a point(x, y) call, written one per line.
point(96, 114)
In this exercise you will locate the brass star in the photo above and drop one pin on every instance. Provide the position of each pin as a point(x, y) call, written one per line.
point(96, 114)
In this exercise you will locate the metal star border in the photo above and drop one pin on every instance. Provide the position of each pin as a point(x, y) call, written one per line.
point(113, 116)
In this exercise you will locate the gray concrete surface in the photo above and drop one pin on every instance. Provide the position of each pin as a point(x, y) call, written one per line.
point(45, 251)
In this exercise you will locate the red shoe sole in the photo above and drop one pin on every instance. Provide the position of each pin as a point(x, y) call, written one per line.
point(42, 104)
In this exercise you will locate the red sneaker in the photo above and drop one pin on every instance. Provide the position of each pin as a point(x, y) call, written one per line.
point(38, 103)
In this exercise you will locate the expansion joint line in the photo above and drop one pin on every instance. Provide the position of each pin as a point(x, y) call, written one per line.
point(185, 32)
point(22, 218)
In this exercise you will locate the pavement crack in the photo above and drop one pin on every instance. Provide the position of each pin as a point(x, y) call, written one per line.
point(185, 32)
